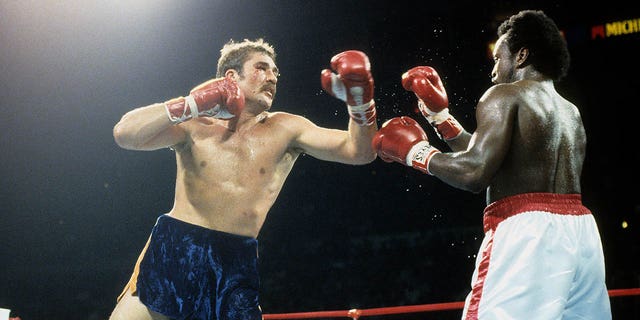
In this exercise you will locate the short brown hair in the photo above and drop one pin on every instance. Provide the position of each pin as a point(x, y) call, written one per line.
point(234, 54)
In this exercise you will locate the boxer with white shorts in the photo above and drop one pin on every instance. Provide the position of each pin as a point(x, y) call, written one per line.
point(542, 256)
point(539, 249)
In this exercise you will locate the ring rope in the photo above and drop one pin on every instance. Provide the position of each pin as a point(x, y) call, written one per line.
point(357, 313)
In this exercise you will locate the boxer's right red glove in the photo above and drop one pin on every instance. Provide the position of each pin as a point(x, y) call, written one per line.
point(219, 98)
point(402, 140)
point(425, 82)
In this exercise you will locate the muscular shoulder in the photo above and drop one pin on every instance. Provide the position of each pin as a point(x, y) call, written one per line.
point(519, 94)
point(291, 126)
point(292, 122)
point(283, 117)
point(499, 103)
point(502, 94)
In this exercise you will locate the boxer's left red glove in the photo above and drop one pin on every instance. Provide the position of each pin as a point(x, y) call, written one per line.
point(425, 82)
point(352, 84)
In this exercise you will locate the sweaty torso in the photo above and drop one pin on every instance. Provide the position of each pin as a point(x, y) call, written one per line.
point(228, 180)
point(547, 145)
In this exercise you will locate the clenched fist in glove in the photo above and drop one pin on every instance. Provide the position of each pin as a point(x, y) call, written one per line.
point(219, 98)
point(402, 140)
point(352, 84)
point(425, 82)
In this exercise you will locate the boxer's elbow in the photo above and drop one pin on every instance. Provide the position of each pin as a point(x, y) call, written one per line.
point(477, 181)
point(475, 187)
point(473, 178)
point(125, 137)
point(365, 157)
point(368, 157)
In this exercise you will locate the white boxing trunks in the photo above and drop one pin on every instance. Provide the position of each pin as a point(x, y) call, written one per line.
point(541, 258)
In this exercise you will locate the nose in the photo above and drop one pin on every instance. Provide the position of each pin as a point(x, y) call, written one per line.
point(272, 76)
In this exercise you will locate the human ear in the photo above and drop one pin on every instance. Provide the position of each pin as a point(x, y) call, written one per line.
point(231, 73)
point(521, 56)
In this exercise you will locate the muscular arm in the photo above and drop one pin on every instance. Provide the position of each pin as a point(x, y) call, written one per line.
point(350, 147)
point(158, 125)
point(474, 168)
point(147, 128)
point(353, 84)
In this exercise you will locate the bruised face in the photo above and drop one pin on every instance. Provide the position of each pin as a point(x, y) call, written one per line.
point(504, 63)
point(258, 80)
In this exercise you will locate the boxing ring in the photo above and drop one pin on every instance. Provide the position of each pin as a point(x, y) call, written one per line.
point(398, 310)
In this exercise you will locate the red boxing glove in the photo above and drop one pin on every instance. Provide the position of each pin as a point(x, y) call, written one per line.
point(425, 82)
point(352, 84)
point(402, 140)
point(219, 98)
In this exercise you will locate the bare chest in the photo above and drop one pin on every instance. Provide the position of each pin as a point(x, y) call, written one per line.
point(217, 152)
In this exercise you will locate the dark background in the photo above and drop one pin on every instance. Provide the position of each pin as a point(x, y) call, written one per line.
point(75, 209)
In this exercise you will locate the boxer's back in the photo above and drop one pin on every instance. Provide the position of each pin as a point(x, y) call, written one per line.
point(547, 146)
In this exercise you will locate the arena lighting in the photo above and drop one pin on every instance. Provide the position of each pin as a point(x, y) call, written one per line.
point(615, 28)
point(490, 46)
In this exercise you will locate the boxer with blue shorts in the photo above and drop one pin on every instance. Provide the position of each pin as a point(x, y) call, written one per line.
point(217, 273)
point(233, 157)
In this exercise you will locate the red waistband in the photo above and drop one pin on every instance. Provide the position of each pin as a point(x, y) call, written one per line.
point(496, 212)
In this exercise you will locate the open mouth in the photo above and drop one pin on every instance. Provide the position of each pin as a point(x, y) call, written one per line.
point(269, 92)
